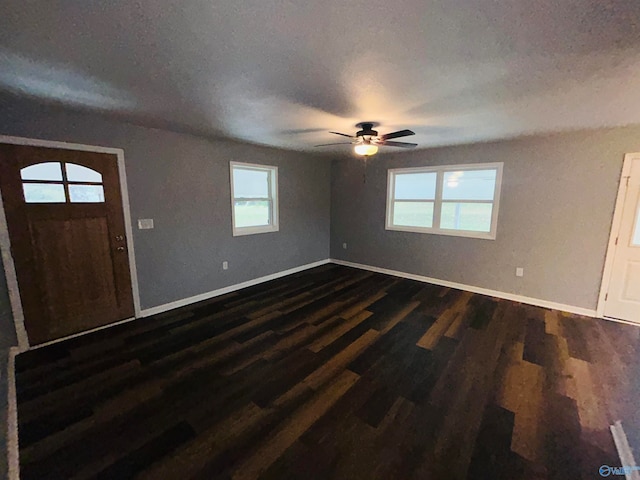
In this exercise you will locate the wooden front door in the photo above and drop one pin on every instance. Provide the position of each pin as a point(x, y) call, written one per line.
point(67, 233)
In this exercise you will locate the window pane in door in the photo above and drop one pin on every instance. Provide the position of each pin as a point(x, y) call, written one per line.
point(42, 171)
point(635, 240)
point(254, 213)
point(250, 183)
point(44, 193)
point(86, 193)
point(78, 173)
point(469, 185)
point(413, 214)
point(466, 216)
point(415, 186)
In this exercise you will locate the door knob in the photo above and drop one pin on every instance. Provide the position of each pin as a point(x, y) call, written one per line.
point(120, 249)
point(119, 238)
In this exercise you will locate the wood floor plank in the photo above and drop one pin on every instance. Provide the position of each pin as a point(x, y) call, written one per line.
point(101, 415)
point(194, 457)
point(521, 392)
point(330, 369)
point(301, 420)
point(291, 341)
point(444, 322)
point(341, 329)
point(472, 392)
point(332, 373)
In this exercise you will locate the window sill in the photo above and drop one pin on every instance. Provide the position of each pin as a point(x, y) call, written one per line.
point(239, 232)
point(450, 233)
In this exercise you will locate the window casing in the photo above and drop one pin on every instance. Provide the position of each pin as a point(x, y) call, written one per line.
point(254, 198)
point(458, 200)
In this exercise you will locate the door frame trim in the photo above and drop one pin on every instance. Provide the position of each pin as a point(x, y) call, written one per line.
point(5, 243)
point(615, 229)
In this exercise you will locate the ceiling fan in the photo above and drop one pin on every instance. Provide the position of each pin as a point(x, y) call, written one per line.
point(366, 141)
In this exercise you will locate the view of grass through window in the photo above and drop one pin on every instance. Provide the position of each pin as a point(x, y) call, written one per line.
point(419, 214)
point(251, 213)
point(442, 199)
point(466, 216)
point(254, 194)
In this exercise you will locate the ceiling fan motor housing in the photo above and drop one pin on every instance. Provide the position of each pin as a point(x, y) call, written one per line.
point(367, 129)
point(367, 136)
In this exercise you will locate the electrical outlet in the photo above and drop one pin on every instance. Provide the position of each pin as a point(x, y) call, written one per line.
point(225, 265)
point(519, 272)
point(344, 245)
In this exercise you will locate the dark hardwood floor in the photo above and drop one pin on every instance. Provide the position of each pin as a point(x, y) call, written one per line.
point(332, 373)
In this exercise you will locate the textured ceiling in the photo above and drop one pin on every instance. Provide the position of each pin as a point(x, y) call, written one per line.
point(284, 72)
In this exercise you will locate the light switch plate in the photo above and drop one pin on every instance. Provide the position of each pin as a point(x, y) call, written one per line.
point(145, 223)
point(519, 272)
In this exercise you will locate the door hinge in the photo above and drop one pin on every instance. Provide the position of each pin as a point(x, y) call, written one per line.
point(628, 178)
point(606, 297)
point(617, 240)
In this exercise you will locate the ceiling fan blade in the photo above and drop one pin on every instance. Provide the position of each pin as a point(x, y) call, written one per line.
point(339, 143)
point(399, 144)
point(343, 134)
point(398, 134)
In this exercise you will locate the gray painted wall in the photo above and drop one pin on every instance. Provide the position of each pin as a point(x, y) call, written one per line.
point(558, 195)
point(557, 201)
point(182, 182)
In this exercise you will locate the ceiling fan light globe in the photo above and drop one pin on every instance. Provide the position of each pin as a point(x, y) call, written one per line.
point(365, 149)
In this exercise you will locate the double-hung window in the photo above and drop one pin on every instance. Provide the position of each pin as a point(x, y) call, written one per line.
point(254, 198)
point(459, 200)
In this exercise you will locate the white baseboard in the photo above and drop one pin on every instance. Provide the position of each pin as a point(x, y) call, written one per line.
point(619, 320)
point(445, 283)
point(13, 453)
point(231, 288)
point(79, 334)
point(187, 301)
point(471, 288)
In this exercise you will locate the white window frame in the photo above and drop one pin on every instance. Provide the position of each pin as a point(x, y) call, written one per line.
point(273, 199)
point(440, 170)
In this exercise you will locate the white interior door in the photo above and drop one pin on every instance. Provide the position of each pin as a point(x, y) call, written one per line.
point(622, 299)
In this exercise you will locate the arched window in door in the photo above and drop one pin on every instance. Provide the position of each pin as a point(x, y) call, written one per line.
point(61, 182)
